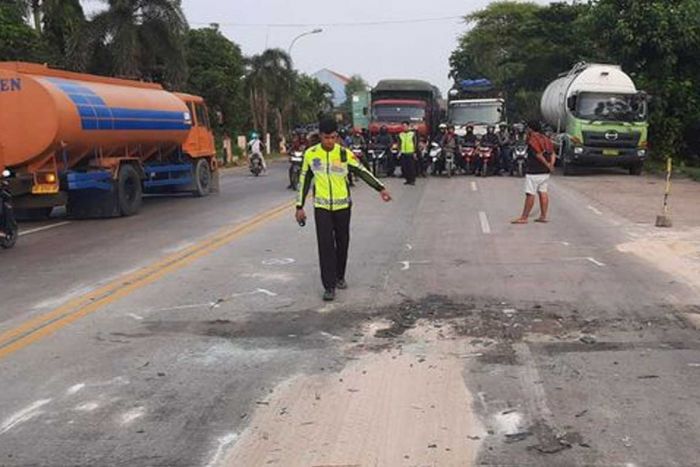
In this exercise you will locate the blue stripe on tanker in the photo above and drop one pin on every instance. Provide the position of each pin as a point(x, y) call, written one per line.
point(96, 115)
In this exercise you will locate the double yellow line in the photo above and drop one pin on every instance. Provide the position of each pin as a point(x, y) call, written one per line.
point(48, 323)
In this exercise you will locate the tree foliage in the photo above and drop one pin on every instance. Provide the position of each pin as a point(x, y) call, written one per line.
point(18, 41)
point(356, 84)
point(523, 46)
point(216, 68)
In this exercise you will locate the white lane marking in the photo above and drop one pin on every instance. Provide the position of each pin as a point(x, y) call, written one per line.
point(485, 227)
point(266, 292)
point(406, 265)
point(596, 262)
point(222, 443)
point(131, 415)
point(21, 416)
point(87, 407)
point(278, 261)
point(326, 308)
point(136, 317)
point(75, 389)
point(41, 229)
point(595, 210)
point(474, 187)
point(565, 243)
point(409, 246)
point(694, 365)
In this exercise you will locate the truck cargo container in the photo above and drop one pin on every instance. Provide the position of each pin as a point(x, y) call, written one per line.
point(397, 100)
point(96, 144)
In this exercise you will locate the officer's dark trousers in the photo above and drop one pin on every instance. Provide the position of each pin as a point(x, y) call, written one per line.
point(333, 235)
point(408, 168)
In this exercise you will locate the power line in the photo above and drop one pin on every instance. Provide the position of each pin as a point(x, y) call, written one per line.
point(346, 24)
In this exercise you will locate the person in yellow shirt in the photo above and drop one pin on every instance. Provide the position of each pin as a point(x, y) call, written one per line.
point(326, 167)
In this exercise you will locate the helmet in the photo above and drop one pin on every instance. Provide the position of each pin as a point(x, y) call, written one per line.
point(383, 129)
point(443, 126)
point(470, 128)
point(254, 135)
point(490, 129)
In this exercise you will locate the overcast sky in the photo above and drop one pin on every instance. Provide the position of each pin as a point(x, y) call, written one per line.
point(408, 50)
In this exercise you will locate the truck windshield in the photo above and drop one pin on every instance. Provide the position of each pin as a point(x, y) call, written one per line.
point(397, 113)
point(611, 107)
point(462, 114)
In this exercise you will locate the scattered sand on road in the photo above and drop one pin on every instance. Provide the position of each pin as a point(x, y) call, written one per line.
point(674, 252)
point(401, 406)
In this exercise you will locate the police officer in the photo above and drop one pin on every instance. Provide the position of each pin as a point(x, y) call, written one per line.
point(407, 149)
point(327, 165)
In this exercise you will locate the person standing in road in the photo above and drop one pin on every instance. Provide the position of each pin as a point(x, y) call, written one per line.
point(540, 164)
point(327, 165)
point(407, 151)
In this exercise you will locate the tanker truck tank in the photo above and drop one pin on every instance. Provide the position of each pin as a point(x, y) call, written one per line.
point(599, 117)
point(98, 143)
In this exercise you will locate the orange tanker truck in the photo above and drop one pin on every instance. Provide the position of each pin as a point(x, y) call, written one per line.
point(97, 144)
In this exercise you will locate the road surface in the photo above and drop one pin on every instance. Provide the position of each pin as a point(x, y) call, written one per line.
point(193, 334)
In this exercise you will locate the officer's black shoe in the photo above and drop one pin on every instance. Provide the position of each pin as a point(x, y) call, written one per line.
point(329, 295)
point(341, 284)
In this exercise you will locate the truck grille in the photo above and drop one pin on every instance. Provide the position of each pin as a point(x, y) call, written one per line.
point(611, 139)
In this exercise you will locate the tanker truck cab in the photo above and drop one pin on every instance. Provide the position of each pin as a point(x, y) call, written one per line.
point(600, 116)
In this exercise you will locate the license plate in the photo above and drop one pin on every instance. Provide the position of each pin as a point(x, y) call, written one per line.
point(611, 152)
point(44, 189)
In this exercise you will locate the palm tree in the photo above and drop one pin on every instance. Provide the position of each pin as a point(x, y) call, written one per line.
point(145, 39)
point(64, 27)
point(269, 81)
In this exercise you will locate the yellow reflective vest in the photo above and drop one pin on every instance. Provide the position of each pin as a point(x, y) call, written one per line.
point(407, 140)
point(328, 171)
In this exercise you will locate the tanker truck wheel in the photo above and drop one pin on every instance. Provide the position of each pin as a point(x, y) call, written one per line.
point(202, 178)
point(129, 190)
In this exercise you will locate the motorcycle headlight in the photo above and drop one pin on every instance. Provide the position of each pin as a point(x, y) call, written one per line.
point(641, 152)
point(578, 150)
point(6, 173)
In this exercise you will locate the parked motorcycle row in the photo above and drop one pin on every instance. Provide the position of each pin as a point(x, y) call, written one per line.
point(473, 158)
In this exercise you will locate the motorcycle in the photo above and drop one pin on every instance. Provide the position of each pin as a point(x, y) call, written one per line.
point(435, 154)
point(393, 160)
point(374, 156)
point(519, 159)
point(486, 155)
point(256, 166)
point(469, 154)
point(295, 161)
point(449, 159)
point(8, 224)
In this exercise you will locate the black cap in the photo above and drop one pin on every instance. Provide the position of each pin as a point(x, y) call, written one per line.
point(327, 125)
point(405, 122)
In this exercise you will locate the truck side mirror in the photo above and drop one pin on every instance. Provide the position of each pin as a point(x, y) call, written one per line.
point(571, 103)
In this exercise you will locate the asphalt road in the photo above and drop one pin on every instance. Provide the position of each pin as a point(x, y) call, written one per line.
point(161, 339)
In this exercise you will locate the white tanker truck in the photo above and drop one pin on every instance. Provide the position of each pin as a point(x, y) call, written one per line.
point(599, 116)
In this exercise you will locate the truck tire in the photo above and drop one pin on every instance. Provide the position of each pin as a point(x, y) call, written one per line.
point(202, 178)
point(636, 169)
point(129, 191)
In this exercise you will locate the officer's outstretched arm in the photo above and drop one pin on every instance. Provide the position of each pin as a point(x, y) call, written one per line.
point(361, 171)
point(306, 178)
